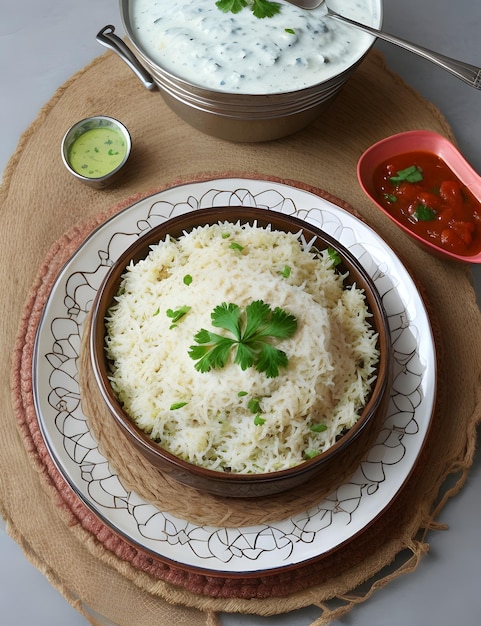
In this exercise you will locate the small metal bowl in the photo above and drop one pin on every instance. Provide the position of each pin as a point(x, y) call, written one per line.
point(95, 160)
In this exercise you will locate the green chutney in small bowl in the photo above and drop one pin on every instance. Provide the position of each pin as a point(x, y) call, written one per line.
point(95, 150)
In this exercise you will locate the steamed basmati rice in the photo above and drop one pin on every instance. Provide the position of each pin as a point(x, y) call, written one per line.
point(204, 417)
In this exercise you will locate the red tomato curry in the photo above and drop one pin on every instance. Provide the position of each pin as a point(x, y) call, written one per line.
point(423, 194)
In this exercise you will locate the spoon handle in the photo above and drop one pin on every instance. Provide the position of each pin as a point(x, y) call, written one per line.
point(468, 73)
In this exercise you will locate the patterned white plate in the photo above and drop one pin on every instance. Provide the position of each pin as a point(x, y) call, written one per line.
point(308, 535)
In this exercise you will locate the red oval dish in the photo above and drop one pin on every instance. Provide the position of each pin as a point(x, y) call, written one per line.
point(414, 142)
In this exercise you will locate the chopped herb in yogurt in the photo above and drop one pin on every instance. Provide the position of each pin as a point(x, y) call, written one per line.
point(209, 44)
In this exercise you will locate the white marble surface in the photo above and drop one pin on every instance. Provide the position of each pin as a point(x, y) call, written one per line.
point(42, 43)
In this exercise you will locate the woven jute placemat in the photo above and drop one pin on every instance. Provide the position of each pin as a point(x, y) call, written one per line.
point(45, 216)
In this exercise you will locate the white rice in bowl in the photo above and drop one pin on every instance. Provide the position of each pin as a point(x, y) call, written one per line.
point(233, 419)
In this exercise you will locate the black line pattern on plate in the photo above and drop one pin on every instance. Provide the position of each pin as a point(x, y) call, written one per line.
point(223, 545)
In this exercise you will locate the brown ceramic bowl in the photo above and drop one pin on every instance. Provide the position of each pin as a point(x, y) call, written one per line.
point(328, 468)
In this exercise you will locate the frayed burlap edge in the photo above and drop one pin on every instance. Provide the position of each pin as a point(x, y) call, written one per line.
point(339, 590)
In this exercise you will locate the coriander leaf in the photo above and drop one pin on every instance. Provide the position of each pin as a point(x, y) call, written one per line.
point(264, 322)
point(219, 354)
point(411, 174)
point(310, 454)
point(286, 272)
point(236, 246)
point(204, 336)
point(259, 421)
point(270, 360)
point(245, 355)
point(257, 314)
point(199, 351)
point(424, 213)
point(227, 316)
point(260, 8)
point(291, 31)
point(187, 280)
point(265, 8)
point(213, 355)
point(282, 325)
point(207, 337)
point(233, 6)
point(251, 332)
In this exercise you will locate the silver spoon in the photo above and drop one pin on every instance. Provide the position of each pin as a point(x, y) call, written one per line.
point(468, 73)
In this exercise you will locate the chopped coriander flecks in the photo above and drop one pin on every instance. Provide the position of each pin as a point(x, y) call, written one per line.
point(411, 174)
point(251, 330)
point(236, 246)
point(310, 454)
point(177, 315)
point(187, 279)
point(156, 312)
point(286, 272)
point(318, 428)
point(177, 405)
point(291, 31)
point(242, 393)
point(334, 256)
point(258, 420)
point(254, 405)
point(390, 197)
point(225, 235)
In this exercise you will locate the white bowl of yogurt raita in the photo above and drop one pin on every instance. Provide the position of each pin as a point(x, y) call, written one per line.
point(239, 76)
